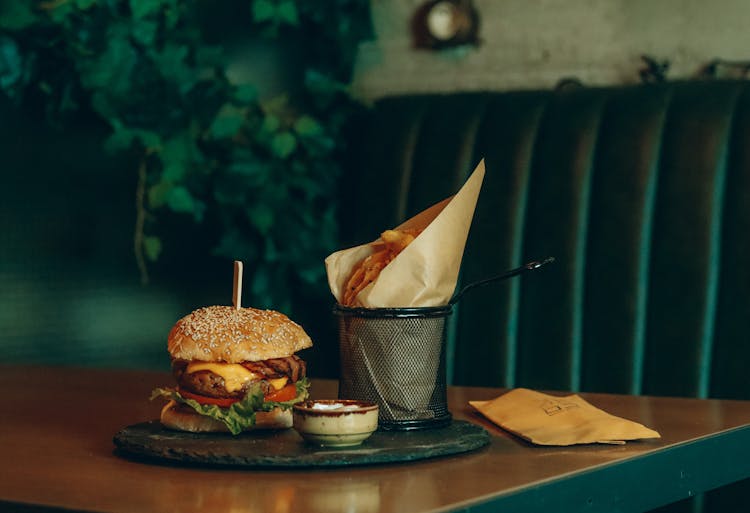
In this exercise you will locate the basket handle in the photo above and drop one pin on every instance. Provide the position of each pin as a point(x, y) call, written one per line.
point(530, 266)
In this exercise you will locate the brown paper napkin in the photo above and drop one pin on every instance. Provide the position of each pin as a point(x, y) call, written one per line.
point(550, 420)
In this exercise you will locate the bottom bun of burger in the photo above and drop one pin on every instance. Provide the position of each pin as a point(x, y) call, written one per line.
point(173, 416)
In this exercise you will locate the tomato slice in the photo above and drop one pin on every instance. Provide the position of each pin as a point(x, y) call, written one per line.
point(287, 393)
point(222, 402)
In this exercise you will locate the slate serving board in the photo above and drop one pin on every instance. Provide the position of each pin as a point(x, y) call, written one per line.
point(286, 449)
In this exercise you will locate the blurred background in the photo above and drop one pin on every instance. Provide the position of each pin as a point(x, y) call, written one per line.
point(146, 144)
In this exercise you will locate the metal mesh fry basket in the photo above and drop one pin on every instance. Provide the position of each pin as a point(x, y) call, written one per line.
point(395, 357)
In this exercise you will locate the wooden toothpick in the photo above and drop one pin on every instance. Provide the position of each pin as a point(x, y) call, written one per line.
point(237, 289)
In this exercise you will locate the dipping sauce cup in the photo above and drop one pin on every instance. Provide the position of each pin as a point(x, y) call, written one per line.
point(335, 422)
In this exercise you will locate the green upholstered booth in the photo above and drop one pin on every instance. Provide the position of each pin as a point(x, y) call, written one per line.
point(640, 193)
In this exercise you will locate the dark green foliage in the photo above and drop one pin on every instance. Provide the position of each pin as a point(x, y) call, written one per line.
point(264, 171)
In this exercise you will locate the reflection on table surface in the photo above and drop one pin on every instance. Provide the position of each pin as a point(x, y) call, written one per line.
point(58, 425)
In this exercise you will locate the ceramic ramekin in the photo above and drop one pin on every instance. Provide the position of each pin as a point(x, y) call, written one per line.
point(335, 422)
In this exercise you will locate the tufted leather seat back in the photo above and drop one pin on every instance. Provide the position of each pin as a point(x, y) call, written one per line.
point(640, 193)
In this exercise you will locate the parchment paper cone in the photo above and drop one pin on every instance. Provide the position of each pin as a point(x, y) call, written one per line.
point(396, 362)
point(426, 272)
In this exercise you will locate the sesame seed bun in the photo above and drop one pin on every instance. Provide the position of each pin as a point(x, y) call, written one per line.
point(226, 334)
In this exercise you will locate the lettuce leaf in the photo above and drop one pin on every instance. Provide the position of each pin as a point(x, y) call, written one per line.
point(241, 415)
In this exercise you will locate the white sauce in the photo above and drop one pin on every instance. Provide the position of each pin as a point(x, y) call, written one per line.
point(335, 407)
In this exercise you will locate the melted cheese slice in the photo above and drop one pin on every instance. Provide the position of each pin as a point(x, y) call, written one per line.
point(234, 374)
point(278, 383)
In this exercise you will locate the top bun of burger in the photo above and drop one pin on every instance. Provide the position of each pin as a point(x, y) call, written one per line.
point(227, 334)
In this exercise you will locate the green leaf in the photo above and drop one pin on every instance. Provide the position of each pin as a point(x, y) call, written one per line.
point(263, 10)
point(119, 140)
point(237, 418)
point(110, 71)
point(261, 216)
point(60, 11)
point(11, 65)
point(144, 31)
point(102, 103)
point(157, 194)
point(15, 15)
point(178, 154)
point(286, 12)
point(270, 124)
point(307, 126)
point(253, 172)
point(122, 139)
point(283, 144)
point(142, 8)
point(85, 4)
point(179, 199)
point(173, 65)
point(318, 147)
point(174, 171)
point(320, 83)
point(152, 246)
point(278, 103)
point(245, 94)
point(171, 13)
point(226, 124)
point(244, 168)
point(150, 140)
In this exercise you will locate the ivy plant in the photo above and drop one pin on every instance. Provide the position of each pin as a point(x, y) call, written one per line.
point(205, 144)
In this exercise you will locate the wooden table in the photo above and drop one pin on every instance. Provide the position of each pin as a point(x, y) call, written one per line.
point(57, 427)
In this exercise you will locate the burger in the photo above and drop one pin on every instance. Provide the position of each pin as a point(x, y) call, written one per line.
point(236, 370)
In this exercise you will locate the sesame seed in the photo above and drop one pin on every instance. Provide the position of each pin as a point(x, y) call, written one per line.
point(238, 325)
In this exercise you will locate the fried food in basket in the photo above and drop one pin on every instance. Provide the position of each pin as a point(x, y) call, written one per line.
point(390, 244)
